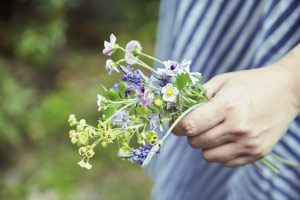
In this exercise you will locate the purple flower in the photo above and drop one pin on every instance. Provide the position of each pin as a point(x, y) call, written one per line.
point(172, 66)
point(109, 46)
point(144, 95)
point(122, 119)
point(154, 121)
point(159, 81)
point(131, 76)
point(111, 66)
point(140, 154)
point(131, 57)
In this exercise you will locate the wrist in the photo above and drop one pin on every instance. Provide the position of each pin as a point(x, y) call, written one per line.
point(289, 65)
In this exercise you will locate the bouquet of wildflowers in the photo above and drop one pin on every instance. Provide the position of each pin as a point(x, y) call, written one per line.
point(137, 107)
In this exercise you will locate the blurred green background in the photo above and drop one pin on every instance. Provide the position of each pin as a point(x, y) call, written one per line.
point(51, 65)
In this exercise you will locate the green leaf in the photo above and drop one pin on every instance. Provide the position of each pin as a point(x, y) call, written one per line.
point(182, 80)
point(113, 95)
point(109, 111)
point(122, 88)
point(141, 111)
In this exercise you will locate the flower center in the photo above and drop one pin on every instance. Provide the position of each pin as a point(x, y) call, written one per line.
point(172, 67)
point(170, 92)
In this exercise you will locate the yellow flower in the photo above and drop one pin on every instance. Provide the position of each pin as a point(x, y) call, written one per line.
point(158, 102)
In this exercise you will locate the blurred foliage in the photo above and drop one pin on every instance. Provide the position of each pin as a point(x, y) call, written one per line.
point(50, 66)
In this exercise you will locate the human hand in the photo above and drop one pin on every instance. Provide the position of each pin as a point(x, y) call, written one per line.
point(248, 113)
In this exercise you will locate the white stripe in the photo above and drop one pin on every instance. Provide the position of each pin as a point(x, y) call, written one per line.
point(183, 6)
point(201, 31)
point(273, 39)
point(191, 20)
point(228, 37)
point(233, 54)
point(214, 34)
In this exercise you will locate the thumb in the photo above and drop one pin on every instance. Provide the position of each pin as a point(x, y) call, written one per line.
point(215, 84)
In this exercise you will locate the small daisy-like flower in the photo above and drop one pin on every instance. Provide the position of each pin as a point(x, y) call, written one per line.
point(110, 66)
point(109, 46)
point(130, 57)
point(169, 92)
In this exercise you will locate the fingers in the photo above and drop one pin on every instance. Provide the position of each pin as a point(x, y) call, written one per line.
point(201, 119)
point(224, 153)
point(215, 84)
point(212, 138)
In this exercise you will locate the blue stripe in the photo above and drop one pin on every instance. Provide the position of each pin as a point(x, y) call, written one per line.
point(289, 149)
point(206, 38)
point(221, 181)
point(282, 18)
point(282, 41)
point(234, 40)
point(186, 15)
point(198, 23)
point(273, 186)
point(226, 26)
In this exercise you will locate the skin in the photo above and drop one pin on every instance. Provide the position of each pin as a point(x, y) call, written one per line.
point(248, 112)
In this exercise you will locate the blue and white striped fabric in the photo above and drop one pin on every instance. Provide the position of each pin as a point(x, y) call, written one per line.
point(222, 36)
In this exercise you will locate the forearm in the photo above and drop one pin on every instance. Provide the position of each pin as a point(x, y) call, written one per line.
point(290, 64)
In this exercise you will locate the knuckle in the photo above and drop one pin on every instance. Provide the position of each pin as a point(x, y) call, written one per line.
point(193, 143)
point(242, 130)
point(188, 127)
point(259, 153)
point(252, 144)
point(206, 156)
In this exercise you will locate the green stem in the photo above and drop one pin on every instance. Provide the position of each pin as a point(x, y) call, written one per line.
point(189, 100)
point(77, 123)
point(125, 101)
point(142, 64)
point(120, 61)
point(150, 57)
point(270, 165)
point(124, 107)
point(284, 161)
point(139, 62)
point(96, 142)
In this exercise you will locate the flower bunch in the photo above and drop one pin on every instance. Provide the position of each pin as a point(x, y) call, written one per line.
point(138, 106)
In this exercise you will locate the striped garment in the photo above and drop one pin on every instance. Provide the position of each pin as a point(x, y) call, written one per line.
point(222, 36)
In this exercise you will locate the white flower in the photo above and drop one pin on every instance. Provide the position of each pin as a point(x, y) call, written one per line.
point(110, 66)
point(130, 57)
point(169, 92)
point(86, 164)
point(99, 98)
point(109, 46)
point(72, 120)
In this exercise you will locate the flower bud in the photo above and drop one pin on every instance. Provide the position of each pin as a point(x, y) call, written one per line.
point(72, 120)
